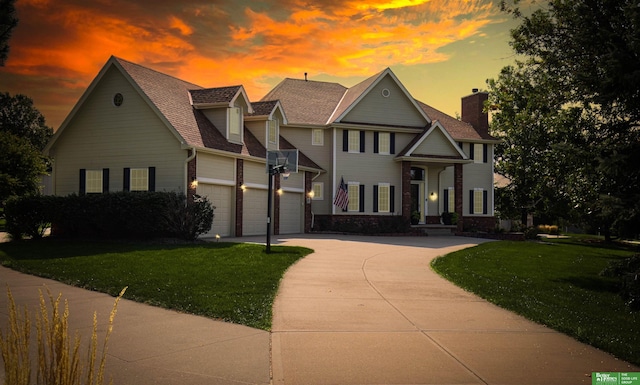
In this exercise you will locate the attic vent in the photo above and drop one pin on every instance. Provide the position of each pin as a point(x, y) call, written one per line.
point(386, 93)
point(118, 99)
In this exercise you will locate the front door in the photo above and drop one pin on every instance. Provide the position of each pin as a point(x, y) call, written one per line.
point(417, 199)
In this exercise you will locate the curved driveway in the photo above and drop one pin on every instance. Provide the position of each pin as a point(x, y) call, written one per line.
point(369, 310)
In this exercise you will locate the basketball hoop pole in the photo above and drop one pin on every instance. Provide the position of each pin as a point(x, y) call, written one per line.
point(273, 171)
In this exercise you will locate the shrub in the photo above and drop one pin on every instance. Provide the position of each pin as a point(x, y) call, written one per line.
point(628, 272)
point(188, 219)
point(28, 216)
point(58, 356)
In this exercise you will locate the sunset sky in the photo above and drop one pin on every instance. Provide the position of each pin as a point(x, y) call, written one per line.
point(439, 49)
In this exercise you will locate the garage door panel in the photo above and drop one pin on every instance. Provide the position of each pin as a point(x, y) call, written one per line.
point(254, 213)
point(221, 198)
point(291, 213)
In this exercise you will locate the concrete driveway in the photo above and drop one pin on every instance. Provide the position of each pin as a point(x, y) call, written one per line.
point(369, 310)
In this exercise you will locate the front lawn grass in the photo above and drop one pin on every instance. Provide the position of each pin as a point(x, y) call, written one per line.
point(234, 282)
point(555, 283)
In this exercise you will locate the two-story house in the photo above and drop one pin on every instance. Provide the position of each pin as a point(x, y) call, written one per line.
point(137, 129)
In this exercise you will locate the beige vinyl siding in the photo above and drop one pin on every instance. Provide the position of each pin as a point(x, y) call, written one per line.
point(217, 116)
point(395, 110)
point(259, 130)
point(255, 173)
point(101, 135)
point(368, 169)
point(215, 167)
point(436, 144)
point(294, 181)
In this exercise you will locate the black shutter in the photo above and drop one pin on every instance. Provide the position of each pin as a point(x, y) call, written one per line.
point(470, 201)
point(484, 153)
point(376, 142)
point(485, 202)
point(345, 140)
point(392, 143)
point(152, 179)
point(392, 205)
point(105, 180)
point(83, 181)
point(361, 141)
point(126, 180)
point(362, 196)
point(445, 194)
point(375, 198)
point(471, 152)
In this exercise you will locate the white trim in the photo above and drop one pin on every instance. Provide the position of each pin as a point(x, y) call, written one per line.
point(437, 125)
point(221, 182)
point(257, 186)
point(293, 190)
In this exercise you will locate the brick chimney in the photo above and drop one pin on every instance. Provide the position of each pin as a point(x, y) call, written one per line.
point(472, 106)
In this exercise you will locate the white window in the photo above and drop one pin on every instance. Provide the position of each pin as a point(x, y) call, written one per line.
point(478, 201)
point(317, 137)
point(318, 191)
point(354, 196)
point(273, 130)
point(93, 181)
point(451, 200)
point(235, 120)
point(384, 143)
point(354, 141)
point(478, 153)
point(384, 197)
point(139, 179)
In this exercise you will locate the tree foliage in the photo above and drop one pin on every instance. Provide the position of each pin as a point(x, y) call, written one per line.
point(569, 113)
point(23, 135)
point(8, 21)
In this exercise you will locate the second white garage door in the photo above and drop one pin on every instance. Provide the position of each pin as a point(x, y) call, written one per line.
point(220, 197)
point(254, 213)
point(291, 213)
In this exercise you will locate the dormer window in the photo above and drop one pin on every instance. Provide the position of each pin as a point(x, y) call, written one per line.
point(235, 120)
point(273, 130)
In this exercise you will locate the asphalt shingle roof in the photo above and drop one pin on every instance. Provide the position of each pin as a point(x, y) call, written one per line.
point(214, 95)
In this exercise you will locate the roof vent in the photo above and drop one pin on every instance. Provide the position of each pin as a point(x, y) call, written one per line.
point(305, 76)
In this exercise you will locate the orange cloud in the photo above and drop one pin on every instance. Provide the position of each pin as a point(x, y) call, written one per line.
point(223, 43)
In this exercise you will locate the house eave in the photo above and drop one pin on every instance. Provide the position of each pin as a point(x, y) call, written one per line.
point(432, 159)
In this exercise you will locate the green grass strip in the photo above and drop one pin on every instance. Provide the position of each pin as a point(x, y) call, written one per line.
point(233, 282)
point(553, 283)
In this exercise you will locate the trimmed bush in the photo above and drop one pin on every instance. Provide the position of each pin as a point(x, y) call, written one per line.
point(136, 215)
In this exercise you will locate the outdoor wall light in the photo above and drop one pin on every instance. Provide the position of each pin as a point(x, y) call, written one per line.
point(194, 182)
point(243, 187)
point(433, 196)
point(311, 194)
point(280, 191)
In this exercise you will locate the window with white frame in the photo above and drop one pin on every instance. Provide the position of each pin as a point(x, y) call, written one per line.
point(478, 153)
point(354, 141)
point(139, 179)
point(478, 201)
point(93, 181)
point(235, 120)
point(384, 143)
point(318, 191)
point(384, 197)
point(353, 190)
point(317, 137)
point(273, 130)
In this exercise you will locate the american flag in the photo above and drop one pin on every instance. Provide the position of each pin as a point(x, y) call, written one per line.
point(342, 196)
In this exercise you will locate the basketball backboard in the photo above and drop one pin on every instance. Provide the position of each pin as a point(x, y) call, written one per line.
point(284, 160)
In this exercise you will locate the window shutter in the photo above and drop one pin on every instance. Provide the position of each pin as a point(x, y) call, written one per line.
point(362, 195)
point(83, 181)
point(345, 140)
point(126, 179)
point(460, 145)
point(362, 142)
point(392, 206)
point(376, 141)
point(105, 180)
point(152, 179)
point(470, 201)
point(471, 153)
point(445, 194)
point(484, 153)
point(392, 143)
point(375, 198)
point(485, 202)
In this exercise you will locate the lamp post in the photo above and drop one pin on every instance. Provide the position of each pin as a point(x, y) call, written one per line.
point(273, 171)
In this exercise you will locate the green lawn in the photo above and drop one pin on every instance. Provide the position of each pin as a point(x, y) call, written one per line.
point(555, 283)
point(228, 281)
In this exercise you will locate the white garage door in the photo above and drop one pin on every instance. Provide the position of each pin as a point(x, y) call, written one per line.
point(254, 213)
point(290, 213)
point(220, 197)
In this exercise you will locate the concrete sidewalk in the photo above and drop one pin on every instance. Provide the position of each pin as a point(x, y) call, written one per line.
point(369, 310)
point(150, 345)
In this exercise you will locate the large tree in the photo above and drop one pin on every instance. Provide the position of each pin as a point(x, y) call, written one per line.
point(23, 136)
point(569, 111)
point(8, 21)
